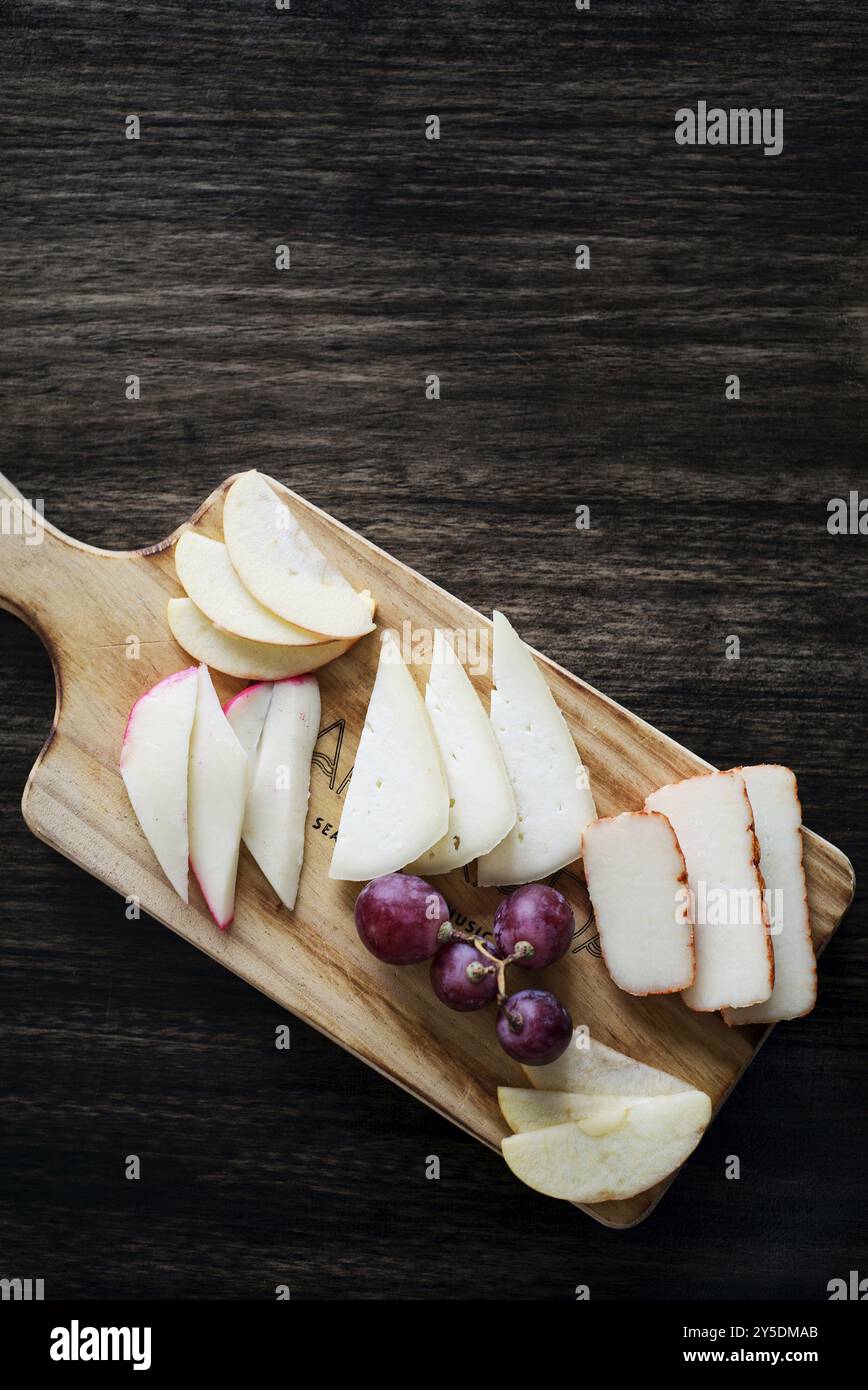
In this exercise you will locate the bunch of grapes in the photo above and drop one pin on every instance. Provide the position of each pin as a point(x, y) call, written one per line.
point(402, 920)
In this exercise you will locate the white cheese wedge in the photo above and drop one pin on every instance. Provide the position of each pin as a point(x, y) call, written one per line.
point(397, 804)
point(217, 788)
point(277, 799)
point(712, 818)
point(549, 782)
point(591, 1068)
point(637, 884)
point(481, 803)
point(280, 565)
point(774, 796)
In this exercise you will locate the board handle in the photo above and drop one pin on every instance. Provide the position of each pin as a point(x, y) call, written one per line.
point(33, 580)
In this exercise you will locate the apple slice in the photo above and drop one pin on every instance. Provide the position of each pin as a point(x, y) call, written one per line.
point(527, 1109)
point(552, 796)
point(637, 884)
point(481, 803)
point(205, 572)
point(607, 1159)
point(280, 565)
point(397, 804)
point(218, 785)
point(246, 713)
point(274, 820)
point(153, 765)
point(774, 798)
point(591, 1068)
point(235, 656)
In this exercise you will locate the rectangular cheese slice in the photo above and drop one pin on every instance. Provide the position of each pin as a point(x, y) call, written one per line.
point(712, 818)
point(552, 795)
point(774, 796)
point(637, 883)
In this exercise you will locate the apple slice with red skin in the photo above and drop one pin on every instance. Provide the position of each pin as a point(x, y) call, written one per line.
point(278, 724)
point(153, 765)
point(217, 793)
point(246, 713)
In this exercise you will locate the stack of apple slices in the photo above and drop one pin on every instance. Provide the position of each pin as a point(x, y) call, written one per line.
point(264, 603)
point(600, 1127)
point(186, 776)
point(437, 784)
point(200, 779)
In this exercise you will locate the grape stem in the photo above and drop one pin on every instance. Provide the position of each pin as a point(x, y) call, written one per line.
point(523, 949)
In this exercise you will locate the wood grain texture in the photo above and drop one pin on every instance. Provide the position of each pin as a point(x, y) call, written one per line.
point(707, 519)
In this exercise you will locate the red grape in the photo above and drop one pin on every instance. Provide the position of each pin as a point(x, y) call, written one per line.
point(534, 1027)
point(453, 985)
point(398, 917)
point(539, 915)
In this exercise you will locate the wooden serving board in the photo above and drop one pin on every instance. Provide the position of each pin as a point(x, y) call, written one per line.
point(91, 606)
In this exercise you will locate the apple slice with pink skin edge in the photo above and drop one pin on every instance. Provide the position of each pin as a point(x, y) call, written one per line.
point(279, 787)
point(154, 767)
point(217, 792)
point(246, 713)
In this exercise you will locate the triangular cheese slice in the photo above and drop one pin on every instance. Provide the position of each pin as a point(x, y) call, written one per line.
point(552, 796)
point(397, 804)
point(481, 803)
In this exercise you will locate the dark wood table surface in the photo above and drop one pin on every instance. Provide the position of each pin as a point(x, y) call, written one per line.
point(559, 388)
